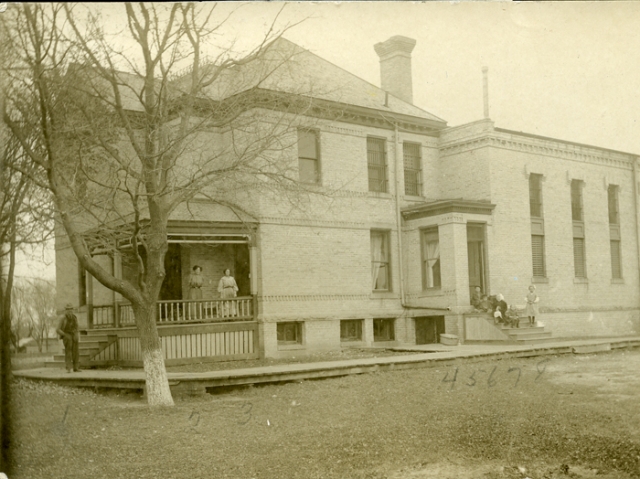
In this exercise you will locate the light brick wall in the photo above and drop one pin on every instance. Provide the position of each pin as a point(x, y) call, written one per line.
point(512, 232)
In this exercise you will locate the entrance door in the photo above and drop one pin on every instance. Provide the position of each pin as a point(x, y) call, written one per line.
point(242, 270)
point(172, 284)
point(429, 329)
point(475, 252)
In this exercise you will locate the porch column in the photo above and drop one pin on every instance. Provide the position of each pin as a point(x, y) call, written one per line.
point(454, 258)
point(117, 297)
point(253, 271)
point(253, 268)
point(89, 280)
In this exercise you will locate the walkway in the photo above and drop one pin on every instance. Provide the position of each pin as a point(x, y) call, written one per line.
point(425, 356)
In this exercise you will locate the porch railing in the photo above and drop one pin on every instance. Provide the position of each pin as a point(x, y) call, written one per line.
point(178, 311)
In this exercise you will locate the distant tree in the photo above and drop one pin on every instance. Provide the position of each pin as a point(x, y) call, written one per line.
point(39, 303)
point(128, 129)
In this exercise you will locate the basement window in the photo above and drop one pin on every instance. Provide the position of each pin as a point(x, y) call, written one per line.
point(351, 330)
point(384, 329)
point(289, 333)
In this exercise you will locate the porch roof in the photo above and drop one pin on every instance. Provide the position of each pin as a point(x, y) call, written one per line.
point(440, 207)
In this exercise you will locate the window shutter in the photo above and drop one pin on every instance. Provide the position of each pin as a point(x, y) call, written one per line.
point(616, 260)
point(537, 252)
point(578, 258)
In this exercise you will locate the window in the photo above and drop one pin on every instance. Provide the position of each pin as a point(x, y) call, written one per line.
point(82, 286)
point(576, 200)
point(290, 333)
point(577, 214)
point(377, 162)
point(537, 252)
point(351, 330)
point(579, 258)
point(535, 195)
point(412, 169)
point(431, 258)
point(380, 271)
point(616, 260)
point(308, 156)
point(614, 232)
point(614, 216)
point(537, 225)
point(383, 329)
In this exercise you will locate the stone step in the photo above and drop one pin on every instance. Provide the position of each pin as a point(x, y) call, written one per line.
point(534, 340)
point(93, 344)
point(530, 337)
point(508, 329)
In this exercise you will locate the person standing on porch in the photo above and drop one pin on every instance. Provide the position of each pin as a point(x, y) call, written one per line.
point(70, 335)
point(195, 290)
point(228, 288)
point(195, 283)
point(532, 300)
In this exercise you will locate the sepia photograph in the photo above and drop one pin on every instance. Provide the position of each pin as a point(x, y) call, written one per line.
point(305, 240)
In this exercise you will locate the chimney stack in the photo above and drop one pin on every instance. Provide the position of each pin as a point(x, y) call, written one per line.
point(485, 90)
point(395, 66)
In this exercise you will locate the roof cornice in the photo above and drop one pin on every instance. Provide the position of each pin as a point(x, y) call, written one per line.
point(441, 207)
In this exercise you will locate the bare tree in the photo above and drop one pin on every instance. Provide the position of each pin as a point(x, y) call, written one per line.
point(25, 219)
point(126, 135)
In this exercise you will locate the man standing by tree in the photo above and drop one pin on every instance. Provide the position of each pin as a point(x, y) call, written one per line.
point(68, 331)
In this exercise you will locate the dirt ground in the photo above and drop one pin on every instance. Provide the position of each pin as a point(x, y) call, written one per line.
point(540, 418)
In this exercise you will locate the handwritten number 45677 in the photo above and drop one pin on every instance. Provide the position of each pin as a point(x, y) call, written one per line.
point(476, 376)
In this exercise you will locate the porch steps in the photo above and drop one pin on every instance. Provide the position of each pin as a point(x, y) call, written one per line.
point(89, 346)
point(527, 334)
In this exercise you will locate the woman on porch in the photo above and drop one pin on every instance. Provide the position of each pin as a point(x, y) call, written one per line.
point(228, 288)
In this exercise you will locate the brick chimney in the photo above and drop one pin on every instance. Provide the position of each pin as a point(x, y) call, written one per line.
point(395, 66)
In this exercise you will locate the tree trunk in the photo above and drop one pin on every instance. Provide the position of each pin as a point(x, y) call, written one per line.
point(157, 383)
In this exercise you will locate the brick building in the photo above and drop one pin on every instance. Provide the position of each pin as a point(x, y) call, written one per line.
point(404, 216)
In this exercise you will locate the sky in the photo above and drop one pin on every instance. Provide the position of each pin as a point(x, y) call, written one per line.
point(567, 70)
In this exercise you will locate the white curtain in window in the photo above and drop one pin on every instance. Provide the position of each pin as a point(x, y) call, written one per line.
point(433, 255)
point(377, 243)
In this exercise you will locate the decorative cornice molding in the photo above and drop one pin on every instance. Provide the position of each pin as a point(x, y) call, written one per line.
point(568, 151)
point(448, 206)
point(313, 297)
point(312, 222)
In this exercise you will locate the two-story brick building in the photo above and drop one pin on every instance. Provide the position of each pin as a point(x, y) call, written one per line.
point(402, 217)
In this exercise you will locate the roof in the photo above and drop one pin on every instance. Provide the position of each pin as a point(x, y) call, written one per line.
point(286, 67)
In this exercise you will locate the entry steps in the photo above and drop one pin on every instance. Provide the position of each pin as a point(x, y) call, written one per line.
point(526, 333)
point(90, 346)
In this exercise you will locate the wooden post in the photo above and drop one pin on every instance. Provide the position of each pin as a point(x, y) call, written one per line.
point(254, 304)
point(116, 270)
point(89, 300)
point(116, 314)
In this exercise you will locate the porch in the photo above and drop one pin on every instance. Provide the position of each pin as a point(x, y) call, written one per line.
point(120, 315)
point(191, 246)
point(195, 321)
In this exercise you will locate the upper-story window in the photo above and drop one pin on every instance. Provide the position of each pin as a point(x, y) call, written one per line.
point(412, 169)
point(308, 156)
point(614, 213)
point(535, 195)
point(377, 163)
point(576, 200)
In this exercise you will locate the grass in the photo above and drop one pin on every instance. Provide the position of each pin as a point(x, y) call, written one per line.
point(565, 417)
